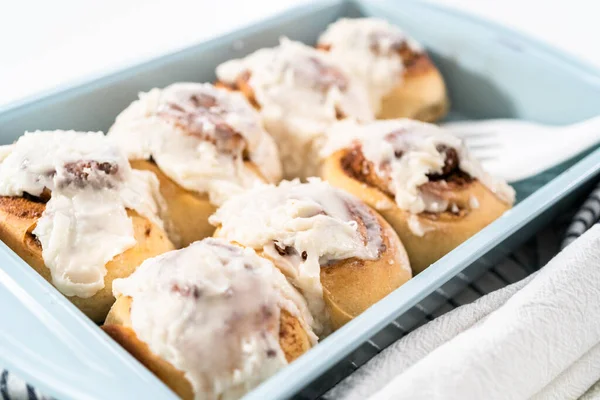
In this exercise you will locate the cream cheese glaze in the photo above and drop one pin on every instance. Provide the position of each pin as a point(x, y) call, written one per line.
point(406, 153)
point(199, 136)
point(85, 223)
point(300, 92)
point(302, 227)
point(369, 48)
point(212, 310)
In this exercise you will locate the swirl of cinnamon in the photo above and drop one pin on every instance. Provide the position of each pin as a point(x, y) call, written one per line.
point(84, 188)
point(207, 140)
point(440, 185)
point(412, 58)
point(367, 226)
point(321, 75)
point(379, 37)
point(203, 116)
point(421, 179)
point(424, 168)
point(92, 173)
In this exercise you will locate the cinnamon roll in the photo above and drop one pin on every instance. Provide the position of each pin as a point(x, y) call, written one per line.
point(421, 179)
point(401, 79)
point(212, 320)
point(203, 143)
point(340, 254)
point(73, 209)
point(299, 92)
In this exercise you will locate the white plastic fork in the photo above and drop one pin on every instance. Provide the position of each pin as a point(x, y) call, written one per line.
point(516, 150)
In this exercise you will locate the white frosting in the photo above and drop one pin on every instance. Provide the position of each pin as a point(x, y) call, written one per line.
point(406, 152)
point(369, 49)
point(417, 227)
point(312, 223)
point(212, 310)
point(301, 92)
point(85, 222)
point(197, 135)
point(473, 202)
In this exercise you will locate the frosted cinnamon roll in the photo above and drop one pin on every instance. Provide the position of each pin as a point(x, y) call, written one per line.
point(421, 179)
point(299, 92)
point(203, 143)
point(401, 79)
point(340, 254)
point(212, 320)
point(73, 209)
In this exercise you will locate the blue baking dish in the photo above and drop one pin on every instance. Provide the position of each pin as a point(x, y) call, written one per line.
point(490, 72)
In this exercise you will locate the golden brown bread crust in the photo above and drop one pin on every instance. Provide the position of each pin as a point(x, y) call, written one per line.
point(293, 340)
point(420, 95)
point(118, 326)
point(353, 285)
point(187, 211)
point(18, 217)
point(241, 85)
point(444, 231)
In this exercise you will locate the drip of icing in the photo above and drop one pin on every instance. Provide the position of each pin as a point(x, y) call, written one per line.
point(301, 92)
point(370, 50)
point(302, 227)
point(85, 223)
point(417, 227)
point(406, 152)
point(199, 136)
point(212, 310)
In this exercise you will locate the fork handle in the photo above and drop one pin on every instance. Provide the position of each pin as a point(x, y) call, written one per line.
point(578, 138)
point(586, 132)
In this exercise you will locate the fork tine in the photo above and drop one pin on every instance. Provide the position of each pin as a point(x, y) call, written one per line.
point(494, 167)
point(465, 134)
point(467, 128)
point(486, 158)
point(485, 154)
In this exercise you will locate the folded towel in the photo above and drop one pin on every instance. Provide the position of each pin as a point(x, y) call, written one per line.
point(593, 393)
point(537, 338)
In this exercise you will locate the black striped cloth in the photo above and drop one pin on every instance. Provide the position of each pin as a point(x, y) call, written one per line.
point(13, 388)
point(587, 215)
point(536, 252)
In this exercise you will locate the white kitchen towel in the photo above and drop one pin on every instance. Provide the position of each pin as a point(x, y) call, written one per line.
point(593, 393)
point(537, 338)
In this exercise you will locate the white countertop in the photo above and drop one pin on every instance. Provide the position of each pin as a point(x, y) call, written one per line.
point(44, 44)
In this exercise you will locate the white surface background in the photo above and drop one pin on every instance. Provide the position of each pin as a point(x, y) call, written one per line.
point(44, 44)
